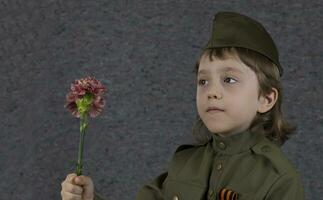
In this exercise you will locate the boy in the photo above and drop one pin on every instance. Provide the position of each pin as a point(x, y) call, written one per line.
point(238, 100)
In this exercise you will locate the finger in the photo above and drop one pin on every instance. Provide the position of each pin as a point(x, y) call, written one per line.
point(74, 189)
point(82, 180)
point(70, 177)
point(70, 196)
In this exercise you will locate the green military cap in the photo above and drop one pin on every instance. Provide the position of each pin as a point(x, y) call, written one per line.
point(237, 30)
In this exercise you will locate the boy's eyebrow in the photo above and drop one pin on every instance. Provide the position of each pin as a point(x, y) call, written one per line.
point(225, 69)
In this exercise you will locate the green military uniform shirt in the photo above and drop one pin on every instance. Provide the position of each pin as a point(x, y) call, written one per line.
point(245, 166)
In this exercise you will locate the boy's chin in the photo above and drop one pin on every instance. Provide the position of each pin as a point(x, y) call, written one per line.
point(215, 128)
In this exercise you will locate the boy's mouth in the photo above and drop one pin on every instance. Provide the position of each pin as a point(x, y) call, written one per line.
point(214, 109)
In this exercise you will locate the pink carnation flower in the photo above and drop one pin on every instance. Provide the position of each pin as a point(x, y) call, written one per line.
point(79, 89)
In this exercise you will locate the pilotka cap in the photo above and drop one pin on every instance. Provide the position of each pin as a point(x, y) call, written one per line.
point(234, 29)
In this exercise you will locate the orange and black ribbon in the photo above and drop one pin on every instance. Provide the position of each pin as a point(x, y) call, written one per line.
point(226, 194)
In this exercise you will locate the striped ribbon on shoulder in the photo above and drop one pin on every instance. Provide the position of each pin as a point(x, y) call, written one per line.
point(226, 194)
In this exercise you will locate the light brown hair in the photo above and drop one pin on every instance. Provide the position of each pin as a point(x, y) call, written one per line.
point(276, 128)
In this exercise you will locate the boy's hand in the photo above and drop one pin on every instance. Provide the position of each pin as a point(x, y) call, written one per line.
point(77, 188)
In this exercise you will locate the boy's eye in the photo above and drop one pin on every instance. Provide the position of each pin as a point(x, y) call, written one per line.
point(200, 81)
point(229, 78)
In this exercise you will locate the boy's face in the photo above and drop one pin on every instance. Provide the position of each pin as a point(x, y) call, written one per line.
point(234, 91)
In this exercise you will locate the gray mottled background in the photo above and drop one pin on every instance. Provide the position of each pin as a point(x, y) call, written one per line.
point(144, 52)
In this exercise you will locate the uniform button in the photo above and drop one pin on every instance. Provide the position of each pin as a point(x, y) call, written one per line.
point(219, 166)
point(222, 145)
point(175, 197)
point(265, 148)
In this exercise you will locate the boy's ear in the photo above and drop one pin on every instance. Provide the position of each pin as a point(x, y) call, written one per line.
point(268, 101)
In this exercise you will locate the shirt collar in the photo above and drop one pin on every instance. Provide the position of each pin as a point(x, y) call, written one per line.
point(237, 143)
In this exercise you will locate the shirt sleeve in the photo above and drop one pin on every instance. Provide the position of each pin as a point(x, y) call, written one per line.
point(287, 187)
point(153, 189)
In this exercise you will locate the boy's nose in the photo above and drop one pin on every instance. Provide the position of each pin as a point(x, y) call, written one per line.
point(214, 91)
point(215, 94)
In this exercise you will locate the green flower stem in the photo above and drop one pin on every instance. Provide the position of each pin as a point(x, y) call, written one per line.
point(83, 105)
point(83, 126)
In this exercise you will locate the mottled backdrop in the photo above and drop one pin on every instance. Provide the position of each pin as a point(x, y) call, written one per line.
point(144, 52)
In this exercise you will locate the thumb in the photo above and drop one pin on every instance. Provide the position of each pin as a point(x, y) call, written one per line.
point(83, 180)
point(86, 182)
point(80, 180)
